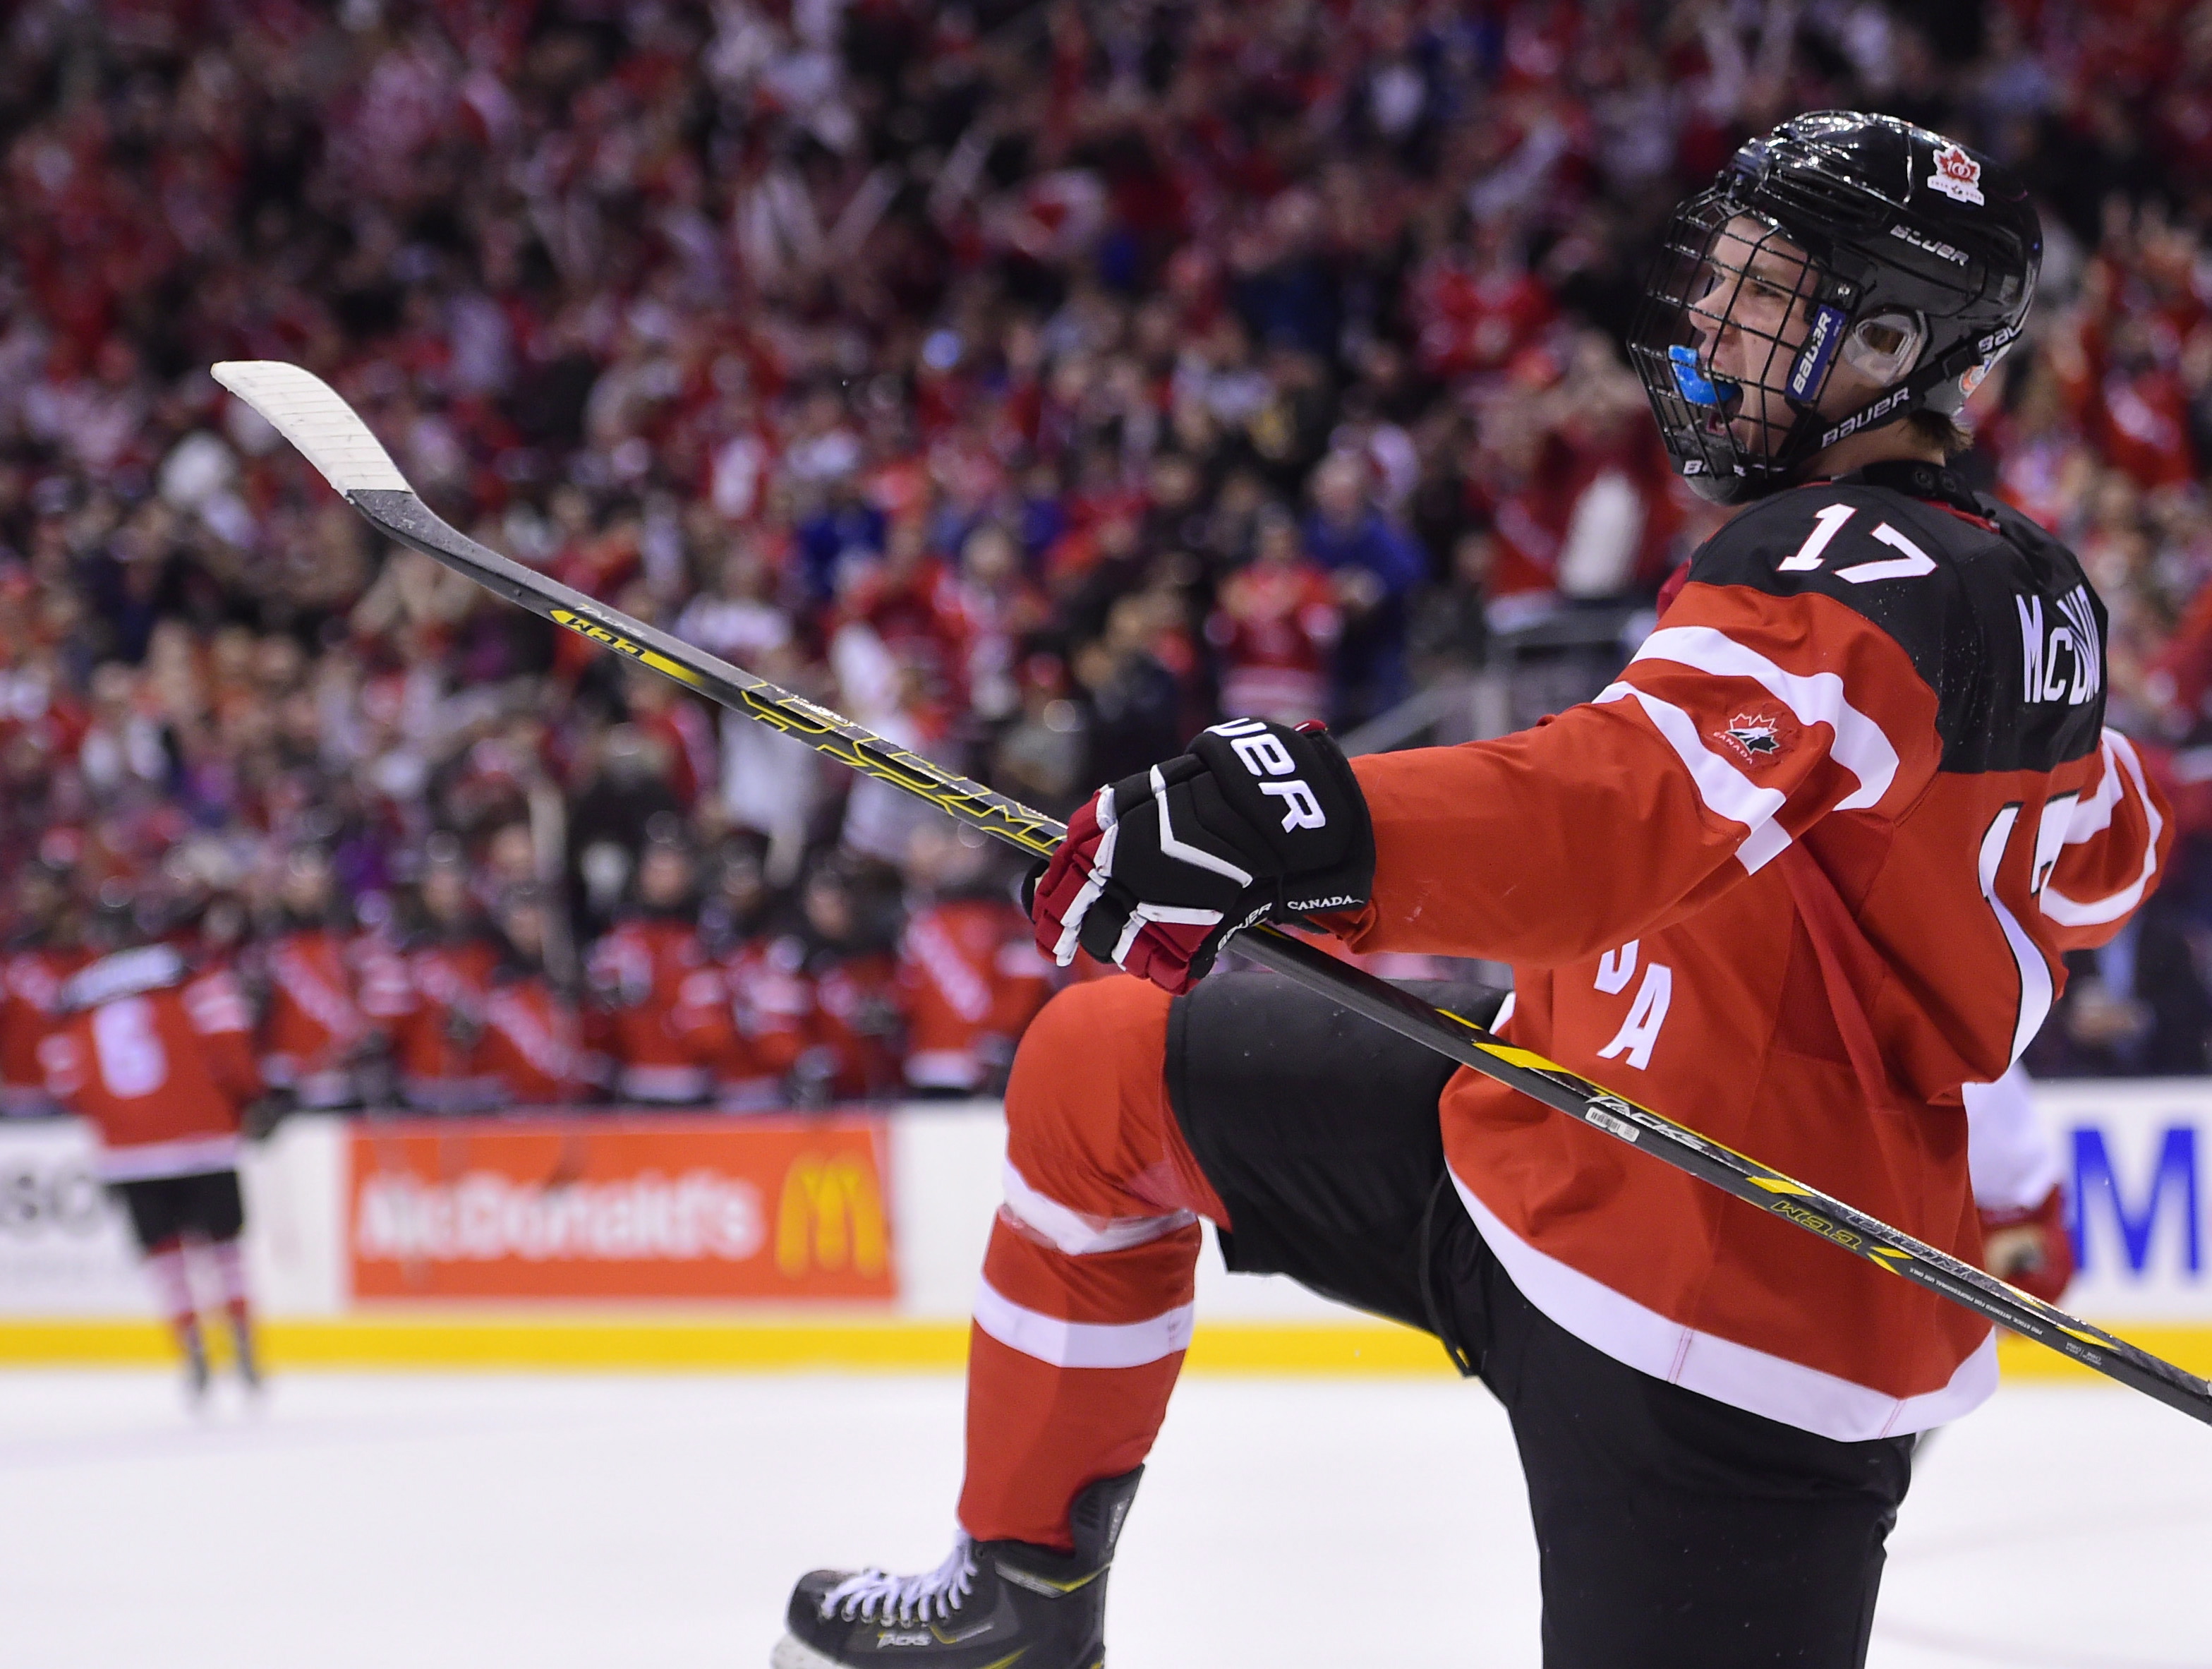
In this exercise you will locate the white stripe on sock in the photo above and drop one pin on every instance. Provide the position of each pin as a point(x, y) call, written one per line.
point(1077, 1232)
point(1079, 1344)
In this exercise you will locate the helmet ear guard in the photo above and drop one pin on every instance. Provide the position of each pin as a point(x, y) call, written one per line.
point(1884, 347)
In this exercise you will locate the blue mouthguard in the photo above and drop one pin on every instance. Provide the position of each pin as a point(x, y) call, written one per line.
point(1697, 387)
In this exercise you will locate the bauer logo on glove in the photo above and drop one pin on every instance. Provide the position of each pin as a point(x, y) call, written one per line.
point(1258, 821)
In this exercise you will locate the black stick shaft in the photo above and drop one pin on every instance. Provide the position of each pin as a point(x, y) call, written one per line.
point(404, 517)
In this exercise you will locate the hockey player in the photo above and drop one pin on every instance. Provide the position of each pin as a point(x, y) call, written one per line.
point(42, 951)
point(664, 1013)
point(763, 970)
point(969, 980)
point(447, 956)
point(317, 1021)
point(853, 1030)
point(1807, 867)
point(161, 1060)
point(530, 1051)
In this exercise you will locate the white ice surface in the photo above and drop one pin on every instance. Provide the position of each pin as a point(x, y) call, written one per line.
point(419, 1522)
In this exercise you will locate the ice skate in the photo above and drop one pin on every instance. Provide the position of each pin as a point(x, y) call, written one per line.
point(989, 1603)
point(248, 1357)
point(197, 1377)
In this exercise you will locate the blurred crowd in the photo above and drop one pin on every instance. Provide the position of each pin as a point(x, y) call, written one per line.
point(1035, 383)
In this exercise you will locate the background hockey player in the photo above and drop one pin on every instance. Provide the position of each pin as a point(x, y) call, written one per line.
point(969, 978)
point(852, 978)
point(324, 991)
point(770, 1000)
point(531, 1051)
point(160, 1060)
point(43, 950)
point(663, 1014)
point(449, 954)
point(1805, 870)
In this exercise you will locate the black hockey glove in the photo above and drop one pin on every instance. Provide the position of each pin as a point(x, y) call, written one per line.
point(1258, 821)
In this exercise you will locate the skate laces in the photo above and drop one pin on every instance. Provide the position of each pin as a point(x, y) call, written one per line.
point(870, 1594)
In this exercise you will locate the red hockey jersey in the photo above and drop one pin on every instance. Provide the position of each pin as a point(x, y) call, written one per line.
point(664, 1012)
point(159, 1062)
point(314, 1023)
point(530, 1051)
point(853, 1031)
point(971, 977)
point(30, 981)
point(772, 1007)
point(1805, 870)
point(437, 1025)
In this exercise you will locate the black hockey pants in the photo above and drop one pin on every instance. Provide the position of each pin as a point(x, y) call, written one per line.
point(1676, 1531)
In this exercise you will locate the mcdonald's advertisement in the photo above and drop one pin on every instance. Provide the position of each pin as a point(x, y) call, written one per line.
point(621, 1207)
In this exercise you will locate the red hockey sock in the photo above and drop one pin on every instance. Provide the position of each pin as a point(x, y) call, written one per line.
point(1085, 1309)
point(173, 1291)
point(229, 1259)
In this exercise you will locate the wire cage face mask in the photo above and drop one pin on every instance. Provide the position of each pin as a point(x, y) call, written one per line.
point(1737, 333)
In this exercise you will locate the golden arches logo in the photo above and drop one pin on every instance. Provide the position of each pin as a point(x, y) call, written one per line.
point(831, 1217)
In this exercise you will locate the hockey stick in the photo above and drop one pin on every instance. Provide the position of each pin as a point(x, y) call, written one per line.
point(334, 439)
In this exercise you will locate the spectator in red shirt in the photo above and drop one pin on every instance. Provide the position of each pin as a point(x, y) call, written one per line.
point(1478, 306)
point(1274, 628)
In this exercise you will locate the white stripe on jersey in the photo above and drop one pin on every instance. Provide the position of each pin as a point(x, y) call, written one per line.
point(1740, 1375)
point(1722, 788)
point(1860, 746)
point(2036, 990)
point(2092, 817)
point(185, 1156)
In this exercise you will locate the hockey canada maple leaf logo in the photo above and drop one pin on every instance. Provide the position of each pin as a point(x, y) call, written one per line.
point(1757, 736)
point(1957, 175)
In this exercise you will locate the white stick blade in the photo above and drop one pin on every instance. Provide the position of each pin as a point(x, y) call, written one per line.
point(309, 413)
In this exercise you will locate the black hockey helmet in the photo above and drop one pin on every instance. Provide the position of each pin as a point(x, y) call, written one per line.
point(1838, 236)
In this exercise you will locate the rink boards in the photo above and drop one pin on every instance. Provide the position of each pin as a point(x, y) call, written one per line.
point(845, 1240)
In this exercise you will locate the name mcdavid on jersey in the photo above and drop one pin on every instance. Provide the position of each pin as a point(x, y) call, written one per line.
point(2063, 658)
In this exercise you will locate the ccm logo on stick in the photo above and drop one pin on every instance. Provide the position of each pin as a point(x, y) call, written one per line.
point(1265, 757)
point(596, 632)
